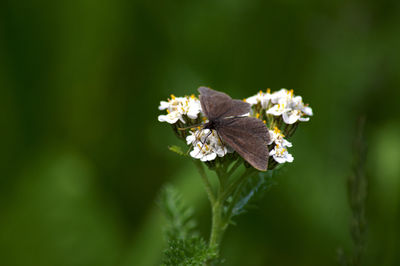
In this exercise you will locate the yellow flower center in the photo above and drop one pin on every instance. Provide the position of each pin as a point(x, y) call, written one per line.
point(281, 151)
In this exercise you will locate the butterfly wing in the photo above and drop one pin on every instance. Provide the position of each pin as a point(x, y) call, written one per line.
point(249, 137)
point(217, 104)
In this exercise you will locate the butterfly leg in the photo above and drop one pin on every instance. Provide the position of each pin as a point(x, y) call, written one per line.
point(222, 143)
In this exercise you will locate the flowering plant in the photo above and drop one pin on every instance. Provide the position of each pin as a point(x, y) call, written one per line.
point(280, 111)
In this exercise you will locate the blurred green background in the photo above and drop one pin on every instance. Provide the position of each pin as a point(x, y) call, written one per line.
point(83, 155)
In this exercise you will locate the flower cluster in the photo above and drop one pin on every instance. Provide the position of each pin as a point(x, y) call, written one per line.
point(178, 107)
point(275, 108)
point(206, 145)
point(281, 111)
point(282, 103)
point(290, 107)
point(260, 98)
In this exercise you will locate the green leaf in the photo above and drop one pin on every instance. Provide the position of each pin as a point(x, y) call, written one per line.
point(185, 246)
point(177, 150)
point(253, 189)
point(180, 218)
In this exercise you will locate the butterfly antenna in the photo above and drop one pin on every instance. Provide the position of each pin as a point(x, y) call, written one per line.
point(191, 146)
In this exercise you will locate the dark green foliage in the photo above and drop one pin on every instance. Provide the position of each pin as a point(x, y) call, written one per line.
point(253, 189)
point(180, 218)
point(185, 246)
point(190, 251)
point(250, 190)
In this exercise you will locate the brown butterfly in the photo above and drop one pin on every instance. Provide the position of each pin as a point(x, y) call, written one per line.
point(248, 136)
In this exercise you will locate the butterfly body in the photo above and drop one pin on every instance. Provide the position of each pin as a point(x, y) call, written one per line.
point(248, 136)
point(212, 124)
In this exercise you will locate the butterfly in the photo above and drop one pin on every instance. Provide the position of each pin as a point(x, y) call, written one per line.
point(248, 136)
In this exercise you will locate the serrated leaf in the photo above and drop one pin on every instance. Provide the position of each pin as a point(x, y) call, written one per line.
point(185, 247)
point(192, 251)
point(180, 218)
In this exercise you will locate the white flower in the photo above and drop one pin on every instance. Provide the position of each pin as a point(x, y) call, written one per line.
point(290, 107)
point(277, 109)
point(203, 152)
point(177, 107)
point(278, 138)
point(260, 97)
point(296, 103)
point(171, 117)
point(281, 96)
point(291, 116)
point(206, 145)
point(280, 154)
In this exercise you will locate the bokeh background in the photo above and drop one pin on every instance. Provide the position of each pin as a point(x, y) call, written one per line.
point(83, 156)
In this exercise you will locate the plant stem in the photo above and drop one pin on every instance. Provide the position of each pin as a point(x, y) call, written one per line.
point(220, 223)
point(207, 184)
point(217, 228)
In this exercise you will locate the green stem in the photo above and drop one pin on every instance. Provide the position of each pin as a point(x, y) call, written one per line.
point(207, 184)
point(219, 222)
point(217, 228)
